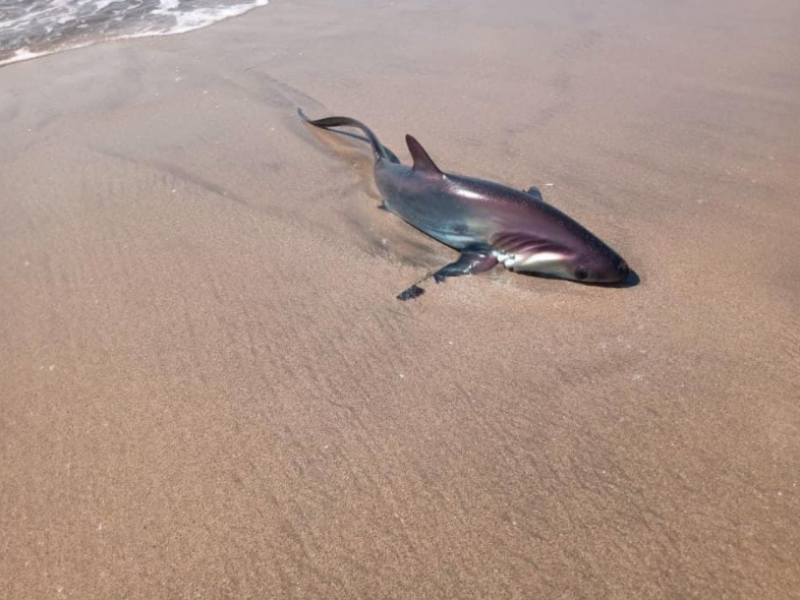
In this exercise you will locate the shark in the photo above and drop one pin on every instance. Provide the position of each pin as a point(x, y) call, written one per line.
point(488, 223)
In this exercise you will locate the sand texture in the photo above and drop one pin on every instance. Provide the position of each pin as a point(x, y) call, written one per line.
point(209, 390)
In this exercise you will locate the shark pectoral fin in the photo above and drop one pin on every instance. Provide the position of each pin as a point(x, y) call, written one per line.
point(422, 162)
point(470, 262)
point(410, 293)
point(534, 191)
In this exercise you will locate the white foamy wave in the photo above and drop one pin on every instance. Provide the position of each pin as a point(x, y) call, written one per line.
point(203, 17)
point(39, 27)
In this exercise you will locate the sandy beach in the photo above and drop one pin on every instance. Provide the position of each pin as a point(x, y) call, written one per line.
point(209, 390)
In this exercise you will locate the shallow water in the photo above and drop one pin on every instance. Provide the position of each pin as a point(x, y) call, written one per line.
point(40, 27)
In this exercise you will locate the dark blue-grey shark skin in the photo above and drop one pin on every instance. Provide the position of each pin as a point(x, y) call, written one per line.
point(487, 222)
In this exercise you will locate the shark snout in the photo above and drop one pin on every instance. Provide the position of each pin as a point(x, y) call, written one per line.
point(601, 268)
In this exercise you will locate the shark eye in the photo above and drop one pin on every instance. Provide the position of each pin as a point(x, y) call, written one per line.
point(581, 273)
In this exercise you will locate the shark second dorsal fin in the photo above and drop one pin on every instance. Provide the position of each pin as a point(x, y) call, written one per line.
point(422, 162)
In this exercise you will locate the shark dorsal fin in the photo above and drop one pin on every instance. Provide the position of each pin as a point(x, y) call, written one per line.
point(422, 162)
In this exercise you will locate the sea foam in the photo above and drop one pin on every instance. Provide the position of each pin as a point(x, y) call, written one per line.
point(40, 27)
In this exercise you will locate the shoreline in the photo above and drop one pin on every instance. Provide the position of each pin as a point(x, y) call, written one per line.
point(26, 54)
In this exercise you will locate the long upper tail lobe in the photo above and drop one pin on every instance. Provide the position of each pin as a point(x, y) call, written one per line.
point(330, 122)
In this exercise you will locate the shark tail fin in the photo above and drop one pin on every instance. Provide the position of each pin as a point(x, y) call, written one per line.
point(331, 122)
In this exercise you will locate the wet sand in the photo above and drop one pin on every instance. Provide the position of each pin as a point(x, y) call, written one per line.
point(209, 389)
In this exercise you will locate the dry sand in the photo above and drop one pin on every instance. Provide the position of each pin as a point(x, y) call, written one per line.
point(208, 389)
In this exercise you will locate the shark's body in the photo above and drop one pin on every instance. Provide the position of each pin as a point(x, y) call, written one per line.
point(487, 222)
